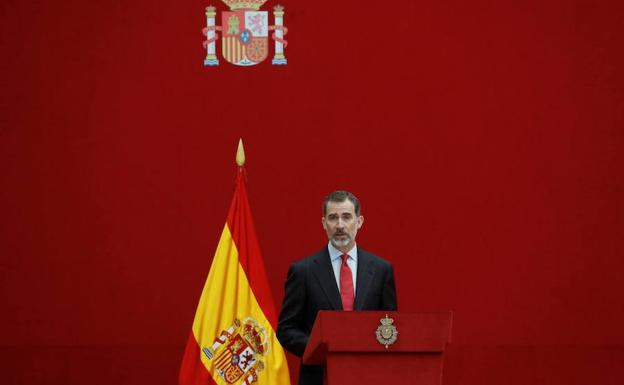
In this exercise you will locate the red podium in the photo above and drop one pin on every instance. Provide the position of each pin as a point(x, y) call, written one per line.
point(346, 344)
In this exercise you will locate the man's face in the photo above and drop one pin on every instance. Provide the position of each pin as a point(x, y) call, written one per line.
point(341, 224)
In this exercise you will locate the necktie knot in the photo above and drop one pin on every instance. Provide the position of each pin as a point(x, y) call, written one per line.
point(344, 258)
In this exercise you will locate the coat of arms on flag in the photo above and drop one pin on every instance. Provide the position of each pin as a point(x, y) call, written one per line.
point(245, 34)
point(238, 351)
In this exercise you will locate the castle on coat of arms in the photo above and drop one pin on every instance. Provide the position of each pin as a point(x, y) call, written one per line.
point(245, 34)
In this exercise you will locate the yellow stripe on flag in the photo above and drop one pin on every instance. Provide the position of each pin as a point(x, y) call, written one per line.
point(227, 296)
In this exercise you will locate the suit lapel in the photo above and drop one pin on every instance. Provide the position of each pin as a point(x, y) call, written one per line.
point(365, 273)
point(324, 273)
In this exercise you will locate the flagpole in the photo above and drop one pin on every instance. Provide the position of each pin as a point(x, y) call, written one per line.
point(240, 153)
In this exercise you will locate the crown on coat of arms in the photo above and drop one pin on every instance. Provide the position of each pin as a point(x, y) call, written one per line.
point(244, 4)
point(255, 336)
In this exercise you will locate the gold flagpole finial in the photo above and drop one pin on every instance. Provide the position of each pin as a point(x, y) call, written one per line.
point(240, 154)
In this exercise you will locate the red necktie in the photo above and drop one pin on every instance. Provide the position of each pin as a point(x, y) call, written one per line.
point(346, 284)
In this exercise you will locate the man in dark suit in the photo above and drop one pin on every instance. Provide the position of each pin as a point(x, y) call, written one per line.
point(341, 276)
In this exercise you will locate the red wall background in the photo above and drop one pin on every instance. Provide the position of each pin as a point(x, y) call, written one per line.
point(483, 138)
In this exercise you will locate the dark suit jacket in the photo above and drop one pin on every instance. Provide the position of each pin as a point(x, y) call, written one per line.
point(311, 286)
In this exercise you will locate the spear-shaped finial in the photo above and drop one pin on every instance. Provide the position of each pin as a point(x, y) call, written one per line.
point(240, 154)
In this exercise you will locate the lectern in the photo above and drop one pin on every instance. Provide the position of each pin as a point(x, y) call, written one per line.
point(346, 343)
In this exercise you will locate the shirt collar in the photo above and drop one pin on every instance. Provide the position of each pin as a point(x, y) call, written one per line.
point(334, 253)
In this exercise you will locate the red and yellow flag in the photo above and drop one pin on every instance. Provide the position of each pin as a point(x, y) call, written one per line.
point(233, 336)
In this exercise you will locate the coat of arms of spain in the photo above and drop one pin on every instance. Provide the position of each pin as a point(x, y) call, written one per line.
point(238, 351)
point(245, 34)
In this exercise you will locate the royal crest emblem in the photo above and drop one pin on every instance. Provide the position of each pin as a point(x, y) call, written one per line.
point(238, 351)
point(245, 29)
point(386, 332)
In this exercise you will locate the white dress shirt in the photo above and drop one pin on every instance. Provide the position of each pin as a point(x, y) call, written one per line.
point(336, 261)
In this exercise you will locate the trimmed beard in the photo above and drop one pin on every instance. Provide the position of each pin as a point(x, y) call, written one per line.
point(338, 243)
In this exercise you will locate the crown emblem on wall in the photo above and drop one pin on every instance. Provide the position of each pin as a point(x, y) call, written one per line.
point(245, 33)
point(244, 4)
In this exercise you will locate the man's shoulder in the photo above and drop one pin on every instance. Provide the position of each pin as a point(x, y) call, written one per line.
point(310, 259)
point(369, 257)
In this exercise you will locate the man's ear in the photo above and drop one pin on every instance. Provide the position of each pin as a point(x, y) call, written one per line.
point(360, 221)
point(324, 223)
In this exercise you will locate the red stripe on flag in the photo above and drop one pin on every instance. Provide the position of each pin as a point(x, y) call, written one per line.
point(240, 223)
point(193, 371)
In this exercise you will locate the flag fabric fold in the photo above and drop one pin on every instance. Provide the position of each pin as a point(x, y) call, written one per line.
point(233, 339)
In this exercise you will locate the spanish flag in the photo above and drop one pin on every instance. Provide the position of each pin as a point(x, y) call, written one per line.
point(233, 335)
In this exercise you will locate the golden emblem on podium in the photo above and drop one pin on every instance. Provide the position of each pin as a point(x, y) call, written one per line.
point(386, 332)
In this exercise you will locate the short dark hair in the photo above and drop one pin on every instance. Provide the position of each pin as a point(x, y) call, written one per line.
point(341, 196)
